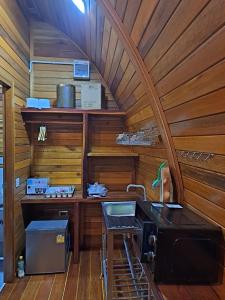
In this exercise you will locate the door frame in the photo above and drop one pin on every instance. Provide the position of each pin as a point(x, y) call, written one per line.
point(9, 181)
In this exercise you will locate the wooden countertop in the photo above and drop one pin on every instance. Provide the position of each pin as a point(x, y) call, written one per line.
point(77, 198)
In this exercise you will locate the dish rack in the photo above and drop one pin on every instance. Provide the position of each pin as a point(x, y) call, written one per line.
point(148, 137)
point(129, 280)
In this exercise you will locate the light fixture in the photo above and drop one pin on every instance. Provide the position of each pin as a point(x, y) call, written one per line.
point(80, 5)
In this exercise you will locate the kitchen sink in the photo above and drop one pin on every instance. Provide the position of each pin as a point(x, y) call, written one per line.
point(120, 209)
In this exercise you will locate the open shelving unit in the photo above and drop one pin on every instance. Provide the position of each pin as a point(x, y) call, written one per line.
point(83, 122)
point(82, 144)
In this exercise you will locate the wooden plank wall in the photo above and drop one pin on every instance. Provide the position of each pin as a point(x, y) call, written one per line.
point(124, 82)
point(187, 64)
point(60, 156)
point(115, 172)
point(51, 44)
point(183, 50)
point(14, 62)
point(188, 70)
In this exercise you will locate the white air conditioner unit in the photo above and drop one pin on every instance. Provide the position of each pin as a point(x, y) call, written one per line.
point(81, 70)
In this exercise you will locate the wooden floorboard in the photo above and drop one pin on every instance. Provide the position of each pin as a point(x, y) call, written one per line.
point(82, 282)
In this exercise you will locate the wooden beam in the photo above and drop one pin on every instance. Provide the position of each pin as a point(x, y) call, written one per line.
point(153, 97)
point(9, 162)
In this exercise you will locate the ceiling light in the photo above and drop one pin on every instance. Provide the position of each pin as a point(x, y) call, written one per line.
point(80, 5)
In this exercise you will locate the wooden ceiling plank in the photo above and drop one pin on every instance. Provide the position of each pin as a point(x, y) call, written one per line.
point(131, 13)
point(116, 62)
point(179, 21)
point(99, 36)
point(105, 44)
point(160, 17)
point(195, 35)
point(93, 24)
point(120, 71)
point(127, 76)
point(145, 12)
point(111, 51)
point(207, 55)
point(121, 6)
point(151, 92)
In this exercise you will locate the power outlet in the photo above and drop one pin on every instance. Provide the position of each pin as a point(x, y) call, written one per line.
point(17, 182)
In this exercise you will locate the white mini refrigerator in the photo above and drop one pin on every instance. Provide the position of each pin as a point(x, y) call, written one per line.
point(47, 246)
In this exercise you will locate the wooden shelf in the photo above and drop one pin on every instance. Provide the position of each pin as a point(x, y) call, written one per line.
point(77, 198)
point(53, 122)
point(112, 154)
point(71, 111)
point(39, 199)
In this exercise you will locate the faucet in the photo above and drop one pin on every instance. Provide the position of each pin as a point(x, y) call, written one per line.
point(137, 186)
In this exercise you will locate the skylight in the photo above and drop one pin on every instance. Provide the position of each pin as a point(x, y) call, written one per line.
point(80, 5)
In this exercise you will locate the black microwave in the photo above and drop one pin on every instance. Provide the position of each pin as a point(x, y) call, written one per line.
point(179, 246)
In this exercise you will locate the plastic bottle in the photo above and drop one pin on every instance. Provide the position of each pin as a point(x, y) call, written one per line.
point(20, 267)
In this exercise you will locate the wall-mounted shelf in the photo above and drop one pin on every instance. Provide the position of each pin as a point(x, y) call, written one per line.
point(71, 111)
point(145, 137)
point(76, 128)
point(53, 122)
point(128, 154)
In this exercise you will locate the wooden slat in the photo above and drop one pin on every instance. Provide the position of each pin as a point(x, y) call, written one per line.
point(213, 179)
point(199, 107)
point(192, 38)
point(209, 209)
point(212, 125)
point(205, 83)
point(162, 12)
point(178, 22)
point(211, 52)
point(142, 18)
point(213, 195)
point(214, 144)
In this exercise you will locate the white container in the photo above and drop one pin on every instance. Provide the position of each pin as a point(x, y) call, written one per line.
point(91, 96)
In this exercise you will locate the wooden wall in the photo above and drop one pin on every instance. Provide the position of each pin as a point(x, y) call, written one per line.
point(115, 172)
point(183, 51)
point(14, 62)
point(60, 156)
point(126, 84)
point(188, 70)
point(182, 46)
point(52, 45)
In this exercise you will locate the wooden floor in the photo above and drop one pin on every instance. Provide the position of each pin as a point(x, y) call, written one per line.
point(82, 282)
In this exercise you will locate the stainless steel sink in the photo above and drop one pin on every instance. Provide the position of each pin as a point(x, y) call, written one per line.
point(120, 209)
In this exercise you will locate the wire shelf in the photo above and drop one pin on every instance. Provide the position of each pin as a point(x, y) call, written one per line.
point(148, 137)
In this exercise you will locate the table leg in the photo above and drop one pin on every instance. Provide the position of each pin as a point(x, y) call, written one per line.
point(76, 231)
point(109, 265)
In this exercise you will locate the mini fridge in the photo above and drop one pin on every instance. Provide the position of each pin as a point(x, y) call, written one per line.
point(47, 246)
